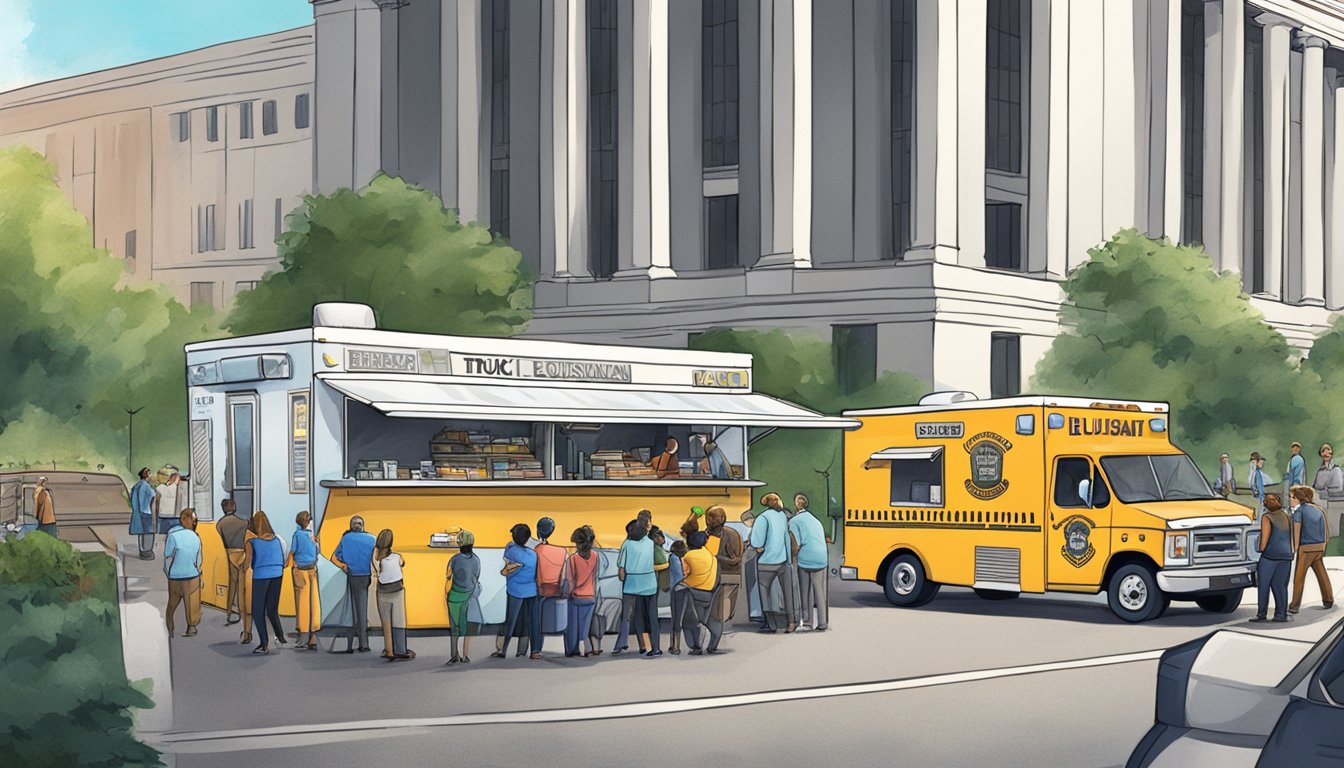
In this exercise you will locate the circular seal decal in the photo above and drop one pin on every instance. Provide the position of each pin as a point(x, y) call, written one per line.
point(1077, 547)
point(986, 455)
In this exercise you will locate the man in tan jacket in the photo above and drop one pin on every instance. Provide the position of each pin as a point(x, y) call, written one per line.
point(1310, 535)
point(44, 511)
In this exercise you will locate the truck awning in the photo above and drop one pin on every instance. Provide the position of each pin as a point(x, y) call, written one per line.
point(888, 454)
point(507, 402)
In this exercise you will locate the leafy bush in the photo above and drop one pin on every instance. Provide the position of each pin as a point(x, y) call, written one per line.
point(66, 698)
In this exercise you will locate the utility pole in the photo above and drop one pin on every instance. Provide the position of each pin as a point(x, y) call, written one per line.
point(130, 436)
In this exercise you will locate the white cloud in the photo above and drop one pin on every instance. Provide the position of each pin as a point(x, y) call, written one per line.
point(17, 67)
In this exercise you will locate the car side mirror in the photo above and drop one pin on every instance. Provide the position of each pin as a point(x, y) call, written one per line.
point(1085, 492)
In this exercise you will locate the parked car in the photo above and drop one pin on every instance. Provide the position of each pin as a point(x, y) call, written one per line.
point(81, 499)
point(1238, 699)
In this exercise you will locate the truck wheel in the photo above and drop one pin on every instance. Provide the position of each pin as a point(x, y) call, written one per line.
point(1220, 602)
point(1133, 594)
point(996, 594)
point(906, 584)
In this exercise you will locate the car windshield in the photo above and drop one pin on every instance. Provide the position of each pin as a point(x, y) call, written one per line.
point(1166, 477)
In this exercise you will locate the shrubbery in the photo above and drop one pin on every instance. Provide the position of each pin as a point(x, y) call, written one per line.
point(66, 700)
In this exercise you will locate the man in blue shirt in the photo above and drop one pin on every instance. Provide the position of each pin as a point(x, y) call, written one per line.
point(774, 546)
point(812, 562)
point(1297, 468)
point(1310, 535)
point(354, 555)
point(520, 573)
point(182, 566)
point(142, 514)
point(303, 555)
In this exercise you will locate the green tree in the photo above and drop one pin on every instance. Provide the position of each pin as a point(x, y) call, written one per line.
point(1145, 319)
point(394, 247)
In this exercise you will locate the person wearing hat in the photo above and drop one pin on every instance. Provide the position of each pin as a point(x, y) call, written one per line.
point(1227, 481)
point(461, 583)
point(354, 556)
point(1329, 481)
point(550, 572)
point(1256, 478)
point(1297, 468)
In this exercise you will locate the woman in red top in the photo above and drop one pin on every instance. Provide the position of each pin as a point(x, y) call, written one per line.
point(581, 589)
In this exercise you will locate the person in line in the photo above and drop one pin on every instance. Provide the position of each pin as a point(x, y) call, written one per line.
point(354, 556)
point(1276, 558)
point(581, 590)
point(774, 545)
point(165, 495)
point(44, 510)
point(550, 572)
point(266, 559)
point(813, 561)
point(726, 546)
point(661, 565)
point(716, 463)
point(1256, 479)
point(681, 594)
point(639, 588)
point(387, 566)
point(233, 535)
point(667, 464)
point(1329, 480)
point(182, 566)
point(1227, 481)
point(1310, 535)
point(303, 557)
point(702, 576)
point(645, 518)
point(461, 583)
point(1297, 467)
point(520, 572)
point(142, 514)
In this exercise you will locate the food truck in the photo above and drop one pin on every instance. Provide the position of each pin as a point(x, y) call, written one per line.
point(428, 435)
point(1036, 494)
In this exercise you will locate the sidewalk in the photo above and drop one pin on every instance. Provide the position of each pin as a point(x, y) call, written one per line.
point(142, 594)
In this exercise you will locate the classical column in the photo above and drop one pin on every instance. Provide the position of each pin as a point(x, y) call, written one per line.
point(650, 253)
point(347, 125)
point(464, 54)
point(786, 133)
point(1276, 43)
point(1224, 65)
point(1313, 165)
point(1174, 177)
point(972, 32)
point(569, 131)
point(1334, 259)
point(934, 234)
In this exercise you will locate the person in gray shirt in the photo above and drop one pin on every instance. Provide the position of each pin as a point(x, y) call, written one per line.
point(463, 581)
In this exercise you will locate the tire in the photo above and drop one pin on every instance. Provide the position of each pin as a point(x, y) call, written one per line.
point(1220, 602)
point(1133, 594)
point(1166, 603)
point(906, 583)
point(996, 594)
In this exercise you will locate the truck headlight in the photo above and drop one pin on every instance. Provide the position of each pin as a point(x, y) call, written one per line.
point(1178, 549)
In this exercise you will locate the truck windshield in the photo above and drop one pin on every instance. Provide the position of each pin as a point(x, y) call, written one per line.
point(1167, 477)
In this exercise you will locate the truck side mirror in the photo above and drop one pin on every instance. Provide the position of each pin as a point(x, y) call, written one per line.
point(1085, 492)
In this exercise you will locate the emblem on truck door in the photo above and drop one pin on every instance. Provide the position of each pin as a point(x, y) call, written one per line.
point(986, 450)
point(1077, 547)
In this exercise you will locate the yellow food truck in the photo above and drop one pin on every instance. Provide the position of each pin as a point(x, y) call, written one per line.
point(1036, 494)
point(428, 435)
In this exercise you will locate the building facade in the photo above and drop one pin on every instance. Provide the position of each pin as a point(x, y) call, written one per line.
point(912, 177)
point(185, 165)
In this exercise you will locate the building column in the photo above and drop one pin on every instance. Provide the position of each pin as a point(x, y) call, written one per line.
point(786, 133)
point(1334, 258)
point(934, 234)
point(1224, 65)
point(347, 120)
point(972, 32)
point(1174, 178)
point(650, 254)
point(1276, 43)
point(569, 132)
point(1313, 165)
point(466, 132)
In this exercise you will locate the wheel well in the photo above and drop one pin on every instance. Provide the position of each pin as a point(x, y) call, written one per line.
point(895, 553)
point(1123, 559)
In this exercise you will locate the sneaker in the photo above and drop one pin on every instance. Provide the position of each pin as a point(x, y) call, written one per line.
point(696, 652)
point(190, 632)
point(1258, 619)
point(1283, 620)
point(1292, 610)
point(497, 655)
point(653, 654)
point(767, 630)
point(365, 649)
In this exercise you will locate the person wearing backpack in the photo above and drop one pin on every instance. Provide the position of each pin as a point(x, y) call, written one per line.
point(1310, 534)
point(581, 571)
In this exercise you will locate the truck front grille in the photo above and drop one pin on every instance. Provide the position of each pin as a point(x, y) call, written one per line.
point(1219, 545)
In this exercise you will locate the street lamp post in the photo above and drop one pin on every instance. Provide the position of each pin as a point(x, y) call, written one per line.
point(130, 436)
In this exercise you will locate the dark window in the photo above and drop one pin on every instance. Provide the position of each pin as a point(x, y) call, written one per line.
point(245, 120)
point(902, 122)
point(1255, 68)
point(245, 225)
point(917, 480)
point(243, 286)
point(279, 218)
point(202, 295)
point(1192, 120)
point(603, 159)
point(855, 349)
point(182, 123)
point(1005, 85)
point(212, 123)
point(499, 117)
point(205, 228)
point(1005, 364)
point(1068, 473)
point(129, 251)
point(268, 121)
point(1003, 235)
point(301, 111)
point(719, 82)
point(721, 232)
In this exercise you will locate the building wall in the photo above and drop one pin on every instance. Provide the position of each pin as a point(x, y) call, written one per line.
point(114, 139)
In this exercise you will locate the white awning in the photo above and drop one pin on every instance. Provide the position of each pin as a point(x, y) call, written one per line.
point(887, 454)
point(507, 402)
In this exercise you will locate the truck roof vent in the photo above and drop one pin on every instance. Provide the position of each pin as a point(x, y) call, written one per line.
point(947, 398)
point(337, 314)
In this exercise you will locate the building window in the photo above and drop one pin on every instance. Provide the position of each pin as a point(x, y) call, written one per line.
point(279, 217)
point(243, 286)
point(1255, 138)
point(301, 111)
point(1005, 364)
point(245, 225)
point(212, 123)
point(603, 157)
point(902, 123)
point(202, 295)
point(182, 125)
point(855, 350)
point(268, 121)
point(205, 229)
point(721, 232)
point(1005, 85)
point(1003, 236)
point(719, 82)
point(245, 120)
point(499, 117)
point(1192, 120)
point(128, 252)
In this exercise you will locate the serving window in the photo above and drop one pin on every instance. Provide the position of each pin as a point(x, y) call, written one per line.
point(640, 452)
point(916, 475)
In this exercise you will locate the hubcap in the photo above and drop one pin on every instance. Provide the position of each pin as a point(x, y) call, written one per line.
point(904, 579)
point(1133, 593)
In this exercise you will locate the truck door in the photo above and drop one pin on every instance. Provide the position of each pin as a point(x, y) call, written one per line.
point(1078, 538)
point(243, 459)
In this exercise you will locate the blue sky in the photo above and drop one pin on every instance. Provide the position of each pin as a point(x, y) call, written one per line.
point(46, 39)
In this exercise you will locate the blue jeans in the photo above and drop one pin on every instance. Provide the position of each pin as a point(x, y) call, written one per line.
point(579, 618)
point(529, 609)
point(1272, 576)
